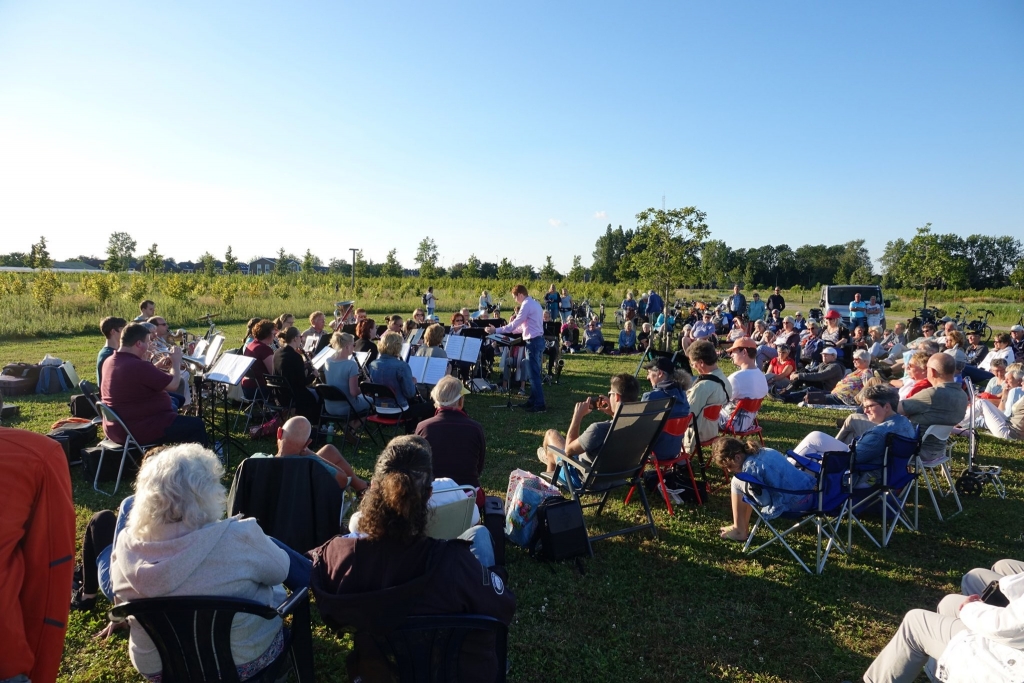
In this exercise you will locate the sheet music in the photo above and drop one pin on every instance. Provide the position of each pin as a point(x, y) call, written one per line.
point(214, 350)
point(309, 346)
point(230, 369)
point(406, 350)
point(471, 349)
point(415, 336)
point(454, 347)
point(321, 358)
point(362, 357)
point(428, 370)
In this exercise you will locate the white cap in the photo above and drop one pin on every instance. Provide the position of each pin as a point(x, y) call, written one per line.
point(1017, 328)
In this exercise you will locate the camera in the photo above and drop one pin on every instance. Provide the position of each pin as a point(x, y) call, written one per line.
point(594, 401)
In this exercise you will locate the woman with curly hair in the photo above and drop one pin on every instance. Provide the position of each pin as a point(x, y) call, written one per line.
point(372, 580)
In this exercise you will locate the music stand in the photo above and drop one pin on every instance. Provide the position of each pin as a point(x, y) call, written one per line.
point(508, 341)
point(228, 371)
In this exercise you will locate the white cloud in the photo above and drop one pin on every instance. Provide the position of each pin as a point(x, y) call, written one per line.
point(555, 223)
point(600, 215)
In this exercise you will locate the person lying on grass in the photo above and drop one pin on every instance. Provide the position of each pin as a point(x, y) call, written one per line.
point(769, 466)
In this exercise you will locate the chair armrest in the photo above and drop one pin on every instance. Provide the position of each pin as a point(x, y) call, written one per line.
point(807, 462)
point(569, 460)
point(289, 605)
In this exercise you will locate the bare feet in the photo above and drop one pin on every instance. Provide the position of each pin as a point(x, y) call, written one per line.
point(731, 533)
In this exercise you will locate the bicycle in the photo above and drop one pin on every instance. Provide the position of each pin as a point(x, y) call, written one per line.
point(979, 326)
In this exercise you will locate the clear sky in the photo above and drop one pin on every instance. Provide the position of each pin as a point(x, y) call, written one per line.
point(503, 129)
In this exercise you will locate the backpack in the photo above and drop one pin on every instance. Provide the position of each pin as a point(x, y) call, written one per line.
point(74, 436)
point(424, 299)
point(52, 380)
point(561, 533)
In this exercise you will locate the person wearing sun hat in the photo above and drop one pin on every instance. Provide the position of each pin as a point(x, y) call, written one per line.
point(456, 440)
point(747, 382)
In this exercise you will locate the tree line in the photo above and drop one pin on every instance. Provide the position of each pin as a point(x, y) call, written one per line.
point(667, 248)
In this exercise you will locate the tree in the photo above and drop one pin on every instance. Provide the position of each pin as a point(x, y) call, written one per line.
point(927, 261)
point(457, 270)
point(548, 272)
point(40, 257)
point(664, 250)
point(577, 273)
point(310, 262)
point(153, 262)
point(339, 266)
point(391, 267)
point(991, 260)
point(472, 268)
point(208, 264)
point(16, 259)
point(281, 266)
point(230, 262)
point(120, 248)
point(715, 262)
point(506, 271)
point(609, 252)
point(1017, 275)
point(488, 270)
point(426, 257)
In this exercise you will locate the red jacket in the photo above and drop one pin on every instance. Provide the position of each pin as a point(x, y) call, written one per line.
point(37, 552)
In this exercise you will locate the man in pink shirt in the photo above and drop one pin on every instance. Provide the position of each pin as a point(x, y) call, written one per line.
point(530, 323)
point(136, 390)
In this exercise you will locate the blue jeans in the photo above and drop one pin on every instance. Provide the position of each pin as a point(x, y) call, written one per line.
point(482, 545)
point(534, 355)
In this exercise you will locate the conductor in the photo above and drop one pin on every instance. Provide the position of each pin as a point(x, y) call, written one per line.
point(530, 323)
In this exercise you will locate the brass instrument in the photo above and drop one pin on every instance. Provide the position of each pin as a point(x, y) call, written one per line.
point(342, 311)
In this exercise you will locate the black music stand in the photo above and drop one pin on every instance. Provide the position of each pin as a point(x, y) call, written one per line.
point(228, 371)
point(509, 341)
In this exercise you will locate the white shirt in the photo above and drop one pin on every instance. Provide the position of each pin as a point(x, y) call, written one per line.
point(1005, 353)
point(748, 384)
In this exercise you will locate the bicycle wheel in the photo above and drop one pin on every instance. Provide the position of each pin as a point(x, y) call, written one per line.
point(986, 333)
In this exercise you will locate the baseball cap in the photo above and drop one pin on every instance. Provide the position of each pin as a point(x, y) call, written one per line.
point(1017, 328)
point(829, 350)
point(742, 343)
point(833, 314)
point(663, 364)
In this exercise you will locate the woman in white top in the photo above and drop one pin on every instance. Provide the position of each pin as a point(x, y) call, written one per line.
point(485, 302)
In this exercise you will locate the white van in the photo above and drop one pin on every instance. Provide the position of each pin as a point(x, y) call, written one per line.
point(838, 298)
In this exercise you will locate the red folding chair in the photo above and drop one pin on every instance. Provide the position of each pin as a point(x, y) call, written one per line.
point(749, 405)
point(675, 427)
point(710, 413)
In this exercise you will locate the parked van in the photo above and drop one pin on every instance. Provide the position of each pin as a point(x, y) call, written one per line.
point(838, 298)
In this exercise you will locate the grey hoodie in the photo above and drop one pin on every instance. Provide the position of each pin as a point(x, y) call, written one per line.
point(228, 558)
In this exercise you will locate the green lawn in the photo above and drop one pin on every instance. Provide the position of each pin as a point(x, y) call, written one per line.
point(686, 606)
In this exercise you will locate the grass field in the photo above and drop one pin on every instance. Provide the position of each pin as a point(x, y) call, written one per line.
point(684, 607)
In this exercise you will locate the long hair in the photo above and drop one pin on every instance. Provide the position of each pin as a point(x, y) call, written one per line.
point(179, 484)
point(725, 450)
point(395, 507)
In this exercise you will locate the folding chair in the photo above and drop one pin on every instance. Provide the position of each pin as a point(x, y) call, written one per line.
point(898, 478)
point(710, 413)
point(92, 395)
point(193, 635)
point(450, 520)
point(326, 392)
point(932, 461)
point(618, 463)
point(826, 509)
point(676, 426)
point(750, 406)
point(387, 411)
point(130, 444)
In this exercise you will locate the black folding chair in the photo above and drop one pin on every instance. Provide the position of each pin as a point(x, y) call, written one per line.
point(387, 412)
point(193, 635)
point(618, 464)
point(326, 392)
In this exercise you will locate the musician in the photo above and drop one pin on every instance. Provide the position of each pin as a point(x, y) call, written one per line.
point(529, 322)
point(316, 325)
point(147, 310)
point(394, 324)
point(409, 327)
point(419, 316)
point(290, 366)
point(284, 321)
point(432, 338)
point(111, 328)
point(161, 345)
point(395, 374)
point(365, 330)
point(459, 323)
point(260, 348)
point(342, 372)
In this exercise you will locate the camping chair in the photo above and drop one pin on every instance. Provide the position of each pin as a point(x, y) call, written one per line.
point(293, 499)
point(387, 412)
point(107, 444)
point(747, 405)
point(618, 463)
point(932, 461)
point(676, 426)
point(193, 635)
point(92, 395)
point(326, 392)
point(270, 399)
point(898, 478)
point(826, 509)
point(450, 520)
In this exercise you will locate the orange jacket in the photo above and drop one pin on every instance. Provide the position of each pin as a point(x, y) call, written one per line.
point(37, 552)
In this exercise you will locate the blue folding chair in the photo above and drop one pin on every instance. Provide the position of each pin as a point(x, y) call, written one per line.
point(898, 478)
point(827, 507)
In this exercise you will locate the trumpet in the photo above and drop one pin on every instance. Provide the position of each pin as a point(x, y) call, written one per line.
point(182, 337)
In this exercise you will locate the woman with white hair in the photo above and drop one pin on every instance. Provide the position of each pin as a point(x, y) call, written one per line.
point(177, 543)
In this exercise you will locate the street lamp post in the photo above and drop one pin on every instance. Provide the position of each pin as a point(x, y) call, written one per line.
point(354, 252)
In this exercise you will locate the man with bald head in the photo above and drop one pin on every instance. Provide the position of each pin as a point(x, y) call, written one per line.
point(293, 441)
point(944, 403)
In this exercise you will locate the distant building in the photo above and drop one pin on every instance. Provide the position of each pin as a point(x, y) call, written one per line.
point(266, 266)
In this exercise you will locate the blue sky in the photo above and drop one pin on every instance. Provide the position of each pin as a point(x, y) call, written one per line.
point(500, 129)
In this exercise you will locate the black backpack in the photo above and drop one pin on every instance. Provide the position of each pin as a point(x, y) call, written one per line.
point(561, 533)
point(424, 299)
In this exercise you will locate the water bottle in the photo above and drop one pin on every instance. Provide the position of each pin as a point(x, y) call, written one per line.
point(330, 432)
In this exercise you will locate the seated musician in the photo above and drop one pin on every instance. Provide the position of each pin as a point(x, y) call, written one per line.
point(365, 330)
point(394, 373)
point(111, 328)
point(316, 329)
point(342, 372)
point(138, 392)
point(419, 316)
point(292, 368)
point(262, 350)
point(432, 338)
point(160, 346)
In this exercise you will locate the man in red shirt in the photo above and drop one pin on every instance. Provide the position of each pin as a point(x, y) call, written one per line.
point(136, 390)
